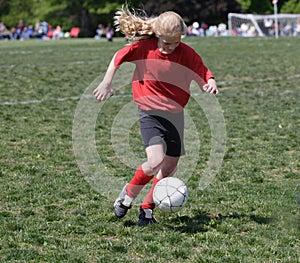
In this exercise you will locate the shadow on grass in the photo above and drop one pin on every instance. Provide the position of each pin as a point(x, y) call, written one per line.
point(202, 222)
point(129, 223)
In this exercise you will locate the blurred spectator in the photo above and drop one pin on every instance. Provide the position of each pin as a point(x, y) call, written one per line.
point(20, 29)
point(44, 26)
point(268, 24)
point(109, 33)
point(4, 32)
point(195, 29)
point(288, 30)
point(247, 30)
point(296, 29)
point(57, 33)
point(212, 31)
point(204, 27)
point(28, 32)
point(222, 30)
point(13, 33)
point(38, 30)
point(99, 31)
point(199, 29)
point(189, 31)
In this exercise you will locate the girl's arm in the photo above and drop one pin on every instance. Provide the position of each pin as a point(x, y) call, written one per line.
point(105, 89)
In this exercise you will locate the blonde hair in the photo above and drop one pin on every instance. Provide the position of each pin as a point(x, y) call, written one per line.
point(139, 26)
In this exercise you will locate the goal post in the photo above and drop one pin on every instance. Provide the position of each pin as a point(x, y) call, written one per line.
point(249, 25)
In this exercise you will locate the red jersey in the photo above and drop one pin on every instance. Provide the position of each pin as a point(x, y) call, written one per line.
point(162, 81)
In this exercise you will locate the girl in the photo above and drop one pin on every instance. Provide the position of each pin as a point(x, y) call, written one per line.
point(164, 70)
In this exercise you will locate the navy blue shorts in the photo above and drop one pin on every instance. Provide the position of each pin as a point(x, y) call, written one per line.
point(160, 127)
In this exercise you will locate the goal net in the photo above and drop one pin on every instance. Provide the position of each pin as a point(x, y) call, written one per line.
point(249, 25)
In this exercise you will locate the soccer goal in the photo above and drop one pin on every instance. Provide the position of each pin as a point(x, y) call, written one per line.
point(249, 25)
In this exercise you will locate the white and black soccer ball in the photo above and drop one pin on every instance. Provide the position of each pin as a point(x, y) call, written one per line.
point(170, 194)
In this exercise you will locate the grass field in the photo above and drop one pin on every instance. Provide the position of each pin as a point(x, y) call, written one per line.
point(51, 212)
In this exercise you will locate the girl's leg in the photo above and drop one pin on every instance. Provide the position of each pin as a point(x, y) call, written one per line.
point(168, 168)
point(143, 174)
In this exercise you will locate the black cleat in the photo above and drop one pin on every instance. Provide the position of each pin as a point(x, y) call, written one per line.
point(146, 217)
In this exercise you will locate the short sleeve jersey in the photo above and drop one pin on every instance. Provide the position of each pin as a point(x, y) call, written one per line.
point(162, 81)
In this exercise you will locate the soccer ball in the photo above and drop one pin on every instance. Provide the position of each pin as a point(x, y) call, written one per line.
point(170, 194)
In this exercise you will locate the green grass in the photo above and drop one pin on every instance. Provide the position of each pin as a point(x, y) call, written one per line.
point(50, 212)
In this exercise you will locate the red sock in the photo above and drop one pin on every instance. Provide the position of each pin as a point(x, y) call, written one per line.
point(148, 201)
point(139, 180)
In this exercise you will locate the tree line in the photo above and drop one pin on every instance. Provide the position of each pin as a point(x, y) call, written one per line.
point(87, 14)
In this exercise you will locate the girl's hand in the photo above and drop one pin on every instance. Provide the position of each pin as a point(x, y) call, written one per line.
point(211, 87)
point(103, 91)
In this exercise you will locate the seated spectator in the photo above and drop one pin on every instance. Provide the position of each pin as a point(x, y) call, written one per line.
point(189, 31)
point(57, 33)
point(296, 29)
point(204, 27)
point(27, 32)
point(212, 31)
point(268, 24)
point(287, 29)
point(44, 26)
point(38, 29)
point(109, 33)
point(4, 32)
point(222, 29)
point(13, 33)
point(195, 29)
point(20, 29)
point(99, 31)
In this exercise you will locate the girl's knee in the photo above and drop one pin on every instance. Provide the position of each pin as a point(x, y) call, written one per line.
point(155, 158)
point(152, 166)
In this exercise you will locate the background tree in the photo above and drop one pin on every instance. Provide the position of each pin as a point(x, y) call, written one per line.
point(261, 7)
point(11, 12)
point(210, 11)
point(291, 6)
point(86, 14)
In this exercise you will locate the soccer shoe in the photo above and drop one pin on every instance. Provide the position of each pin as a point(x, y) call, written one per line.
point(120, 209)
point(146, 217)
point(122, 203)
